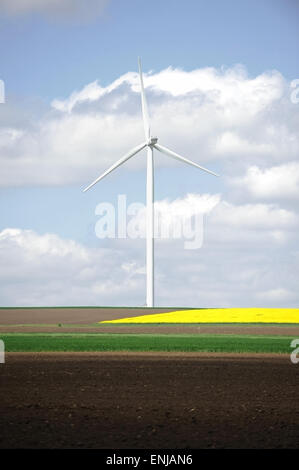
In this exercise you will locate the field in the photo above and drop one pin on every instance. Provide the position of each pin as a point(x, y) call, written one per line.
point(37, 342)
point(70, 380)
point(218, 315)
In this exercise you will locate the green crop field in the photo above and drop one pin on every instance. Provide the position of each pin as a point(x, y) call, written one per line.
point(35, 342)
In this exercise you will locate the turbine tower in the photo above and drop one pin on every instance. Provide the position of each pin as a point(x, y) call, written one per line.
point(151, 144)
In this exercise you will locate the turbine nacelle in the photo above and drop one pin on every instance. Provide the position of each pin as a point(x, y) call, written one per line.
point(152, 141)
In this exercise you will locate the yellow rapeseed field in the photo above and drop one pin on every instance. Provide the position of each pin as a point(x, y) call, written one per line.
point(219, 315)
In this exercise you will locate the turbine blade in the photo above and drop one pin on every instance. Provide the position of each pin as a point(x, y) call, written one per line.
point(172, 154)
point(144, 104)
point(122, 160)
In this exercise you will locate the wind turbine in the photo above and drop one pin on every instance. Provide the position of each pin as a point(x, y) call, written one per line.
point(151, 144)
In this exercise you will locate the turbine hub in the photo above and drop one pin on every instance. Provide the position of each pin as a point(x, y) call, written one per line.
point(152, 141)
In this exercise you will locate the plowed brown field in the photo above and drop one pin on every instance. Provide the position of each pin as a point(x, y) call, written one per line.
point(121, 400)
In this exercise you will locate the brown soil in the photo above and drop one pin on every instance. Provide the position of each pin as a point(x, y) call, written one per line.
point(104, 400)
point(71, 315)
point(180, 329)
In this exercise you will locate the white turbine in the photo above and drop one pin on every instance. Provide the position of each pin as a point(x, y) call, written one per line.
point(151, 144)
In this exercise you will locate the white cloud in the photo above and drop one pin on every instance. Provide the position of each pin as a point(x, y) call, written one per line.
point(93, 92)
point(60, 9)
point(277, 182)
point(232, 118)
point(48, 244)
point(230, 143)
point(246, 226)
point(254, 216)
point(230, 87)
point(47, 270)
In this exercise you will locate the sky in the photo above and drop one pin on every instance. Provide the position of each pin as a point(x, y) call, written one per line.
point(222, 84)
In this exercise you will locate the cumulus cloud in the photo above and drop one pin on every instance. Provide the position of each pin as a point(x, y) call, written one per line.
point(66, 9)
point(277, 182)
point(47, 270)
point(257, 216)
point(235, 120)
point(224, 86)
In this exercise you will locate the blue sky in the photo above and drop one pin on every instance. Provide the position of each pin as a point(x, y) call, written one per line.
point(48, 54)
point(48, 58)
